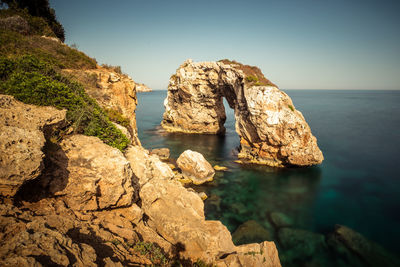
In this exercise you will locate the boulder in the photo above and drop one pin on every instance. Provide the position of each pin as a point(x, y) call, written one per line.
point(250, 232)
point(271, 130)
point(23, 129)
point(162, 153)
point(91, 175)
point(195, 167)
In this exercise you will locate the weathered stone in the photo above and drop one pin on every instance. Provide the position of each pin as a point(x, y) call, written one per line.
point(271, 130)
point(203, 196)
point(195, 167)
point(250, 232)
point(112, 91)
point(32, 242)
point(146, 166)
point(257, 255)
point(162, 153)
point(220, 168)
point(96, 176)
point(22, 141)
point(206, 240)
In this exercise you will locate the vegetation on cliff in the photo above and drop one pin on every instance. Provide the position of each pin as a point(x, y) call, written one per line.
point(253, 74)
point(30, 71)
point(33, 81)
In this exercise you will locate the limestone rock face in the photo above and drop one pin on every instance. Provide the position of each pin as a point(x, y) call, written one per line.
point(195, 167)
point(92, 175)
point(22, 140)
point(184, 223)
point(271, 130)
point(112, 91)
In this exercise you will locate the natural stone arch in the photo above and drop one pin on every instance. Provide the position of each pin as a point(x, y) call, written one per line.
point(271, 130)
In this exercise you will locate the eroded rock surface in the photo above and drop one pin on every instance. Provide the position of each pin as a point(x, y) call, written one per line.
point(195, 167)
point(111, 90)
point(22, 140)
point(271, 130)
point(92, 175)
point(78, 204)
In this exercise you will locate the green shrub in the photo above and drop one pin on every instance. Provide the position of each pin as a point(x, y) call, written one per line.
point(33, 81)
point(291, 107)
point(14, 44)
point(117, 117)
point(251, 78)
point(153, 252)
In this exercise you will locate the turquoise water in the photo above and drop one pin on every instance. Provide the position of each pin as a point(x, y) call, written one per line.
point(358, 184)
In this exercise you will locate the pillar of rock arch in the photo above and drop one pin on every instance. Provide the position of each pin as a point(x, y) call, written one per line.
point(271, 130)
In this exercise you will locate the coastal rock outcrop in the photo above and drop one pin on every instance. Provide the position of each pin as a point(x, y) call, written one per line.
point(84, 203)
point(271, 130)
point(112, 90)
point(141, 87)
point(195, 167)
point(104, 173)
point(22, 138)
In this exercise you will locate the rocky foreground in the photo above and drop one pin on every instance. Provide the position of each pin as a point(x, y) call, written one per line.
point(75, 201)
point(271, 130)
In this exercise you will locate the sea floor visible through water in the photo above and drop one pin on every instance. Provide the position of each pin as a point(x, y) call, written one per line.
point(357, 185)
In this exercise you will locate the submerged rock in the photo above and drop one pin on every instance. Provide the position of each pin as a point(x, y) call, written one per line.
point(279, 220)
point(271, 130)
point(250, 232)
point(301, 245)
point(22, 138)
point(195, 167)
point(368, 251)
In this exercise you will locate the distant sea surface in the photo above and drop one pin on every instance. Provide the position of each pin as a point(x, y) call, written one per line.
point(357, 185)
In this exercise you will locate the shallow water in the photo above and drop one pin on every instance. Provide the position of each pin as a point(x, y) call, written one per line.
point(357, 185)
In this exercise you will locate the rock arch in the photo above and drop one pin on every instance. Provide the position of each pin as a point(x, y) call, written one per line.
point(271, 130)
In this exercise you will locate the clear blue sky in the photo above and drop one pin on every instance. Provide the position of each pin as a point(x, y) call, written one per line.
point(298, 44)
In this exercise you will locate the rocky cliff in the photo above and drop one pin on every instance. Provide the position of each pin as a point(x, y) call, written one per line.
point(113, 91)
point(271, 130)
point(76, 201)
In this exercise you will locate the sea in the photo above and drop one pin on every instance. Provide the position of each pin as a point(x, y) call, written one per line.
point(357, 185)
